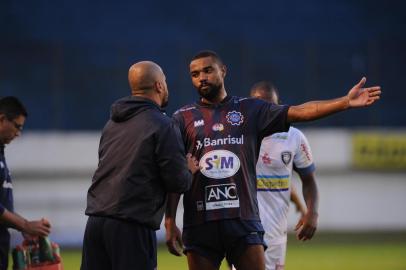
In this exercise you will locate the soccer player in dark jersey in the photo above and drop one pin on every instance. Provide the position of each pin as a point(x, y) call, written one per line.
point(221, 217)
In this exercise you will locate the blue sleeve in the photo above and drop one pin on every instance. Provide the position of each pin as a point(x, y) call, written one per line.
point(305, 171)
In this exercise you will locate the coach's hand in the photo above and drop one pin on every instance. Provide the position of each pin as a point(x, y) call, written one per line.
point(173, 237)
point(306, 227)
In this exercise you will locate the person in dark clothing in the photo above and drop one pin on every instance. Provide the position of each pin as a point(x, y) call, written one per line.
point(141, 158)
point(12, 119)
point(224, 132)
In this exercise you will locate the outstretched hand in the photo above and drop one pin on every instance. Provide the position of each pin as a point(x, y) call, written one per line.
point(361, 97)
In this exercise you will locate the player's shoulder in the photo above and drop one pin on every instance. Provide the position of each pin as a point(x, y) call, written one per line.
point(295, 132)
point(297, 136)
point(248, 100)
point(185, 108)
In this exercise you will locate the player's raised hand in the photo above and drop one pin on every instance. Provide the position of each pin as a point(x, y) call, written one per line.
point(306, 227)
point(361, 97)
point(173, 237)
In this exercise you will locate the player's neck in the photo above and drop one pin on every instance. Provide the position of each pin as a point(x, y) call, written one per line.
point(216, 100)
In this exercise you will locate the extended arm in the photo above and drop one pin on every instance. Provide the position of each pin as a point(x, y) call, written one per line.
point(36, 227)
point(307, 225)
point(356, 97)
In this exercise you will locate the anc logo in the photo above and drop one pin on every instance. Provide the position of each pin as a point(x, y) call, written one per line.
point(235, 118)
point(219, 164)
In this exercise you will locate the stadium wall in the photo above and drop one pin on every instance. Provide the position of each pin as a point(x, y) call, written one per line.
point(52, 172)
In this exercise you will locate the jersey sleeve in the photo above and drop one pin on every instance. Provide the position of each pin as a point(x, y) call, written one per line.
point(272, 118)
point(303, 161)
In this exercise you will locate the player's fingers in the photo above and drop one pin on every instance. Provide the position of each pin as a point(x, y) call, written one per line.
point(372, 89)
point(172, 248)
point(298, 225)
point(361, 82)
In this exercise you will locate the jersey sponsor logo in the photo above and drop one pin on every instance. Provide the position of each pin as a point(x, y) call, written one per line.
point(235, 118)
point(221, 141)
point(219, 164)
point(273, 182)
point(221, 196)
point(218, 127)
point(305, 150)
point(286, 157)
point(266, 159)
point(280, 136)
point(199, 123)
point(199, 206)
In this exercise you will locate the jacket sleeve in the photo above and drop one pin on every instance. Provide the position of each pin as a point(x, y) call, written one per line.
point(171, 159)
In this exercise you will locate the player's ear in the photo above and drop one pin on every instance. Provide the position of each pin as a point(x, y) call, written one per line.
point(223, 71)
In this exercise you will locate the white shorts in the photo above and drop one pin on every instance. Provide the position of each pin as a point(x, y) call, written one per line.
point(275, 256)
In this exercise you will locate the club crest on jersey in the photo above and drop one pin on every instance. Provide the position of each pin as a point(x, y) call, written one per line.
point(221, 196)
point(235, 118)
point(199, 123)
point(218, 127)
point(286, 157)
point(219, 164)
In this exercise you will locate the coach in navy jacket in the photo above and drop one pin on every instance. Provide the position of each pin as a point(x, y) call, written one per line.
point(141, 158)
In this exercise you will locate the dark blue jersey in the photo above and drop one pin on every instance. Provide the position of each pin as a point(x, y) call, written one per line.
point(6, 187)
point(226, 138)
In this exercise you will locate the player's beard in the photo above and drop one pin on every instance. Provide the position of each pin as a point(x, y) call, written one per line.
point(211, 92)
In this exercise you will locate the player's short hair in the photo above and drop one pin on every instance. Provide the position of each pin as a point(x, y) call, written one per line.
point(208, 53)
point(12, 107)
point(266, 86)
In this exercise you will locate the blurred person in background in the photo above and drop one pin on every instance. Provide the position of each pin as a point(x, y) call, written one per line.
point(224, 132)
point(279, 154)
point(12, 119)
point(141, 158)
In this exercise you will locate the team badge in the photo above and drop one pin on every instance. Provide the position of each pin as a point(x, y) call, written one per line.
point(218, 127)
point(235, 118)
point(286, 157)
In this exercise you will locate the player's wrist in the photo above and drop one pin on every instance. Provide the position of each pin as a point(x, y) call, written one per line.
point(169, 221)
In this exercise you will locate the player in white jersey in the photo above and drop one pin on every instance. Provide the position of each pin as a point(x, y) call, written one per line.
point(279, 154)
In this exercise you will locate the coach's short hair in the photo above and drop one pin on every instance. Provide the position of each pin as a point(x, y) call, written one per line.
point(12, 107)
point(208, 53)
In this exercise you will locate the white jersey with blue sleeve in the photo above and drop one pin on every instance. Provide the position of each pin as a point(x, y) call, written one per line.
point(279, 154)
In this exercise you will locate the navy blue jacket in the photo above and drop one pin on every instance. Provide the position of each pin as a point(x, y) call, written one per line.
point(141, 158)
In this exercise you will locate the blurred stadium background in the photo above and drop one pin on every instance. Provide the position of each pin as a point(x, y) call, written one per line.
point(68, 61)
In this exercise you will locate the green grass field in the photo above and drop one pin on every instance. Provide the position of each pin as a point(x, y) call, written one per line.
point(326, 252)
